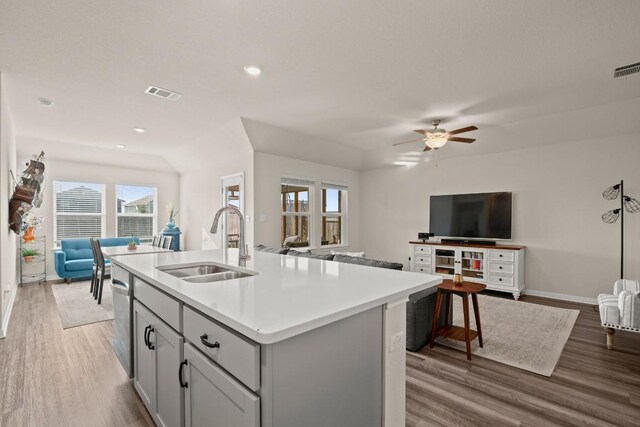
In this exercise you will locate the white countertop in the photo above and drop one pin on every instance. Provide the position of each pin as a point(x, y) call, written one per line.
point(290, 295)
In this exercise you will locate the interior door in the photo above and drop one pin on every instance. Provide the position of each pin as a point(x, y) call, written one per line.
point(232, 195)
point(144, 363)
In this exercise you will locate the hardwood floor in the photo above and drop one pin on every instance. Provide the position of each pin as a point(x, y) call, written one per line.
point(590, 386)
point(55, 377)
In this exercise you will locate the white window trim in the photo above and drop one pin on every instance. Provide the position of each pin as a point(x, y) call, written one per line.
point(311, 183)
point(315, 209)
point(344, 214)
point(102, 215)
point(154, 215)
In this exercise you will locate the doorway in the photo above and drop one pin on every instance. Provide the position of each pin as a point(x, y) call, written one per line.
point(232, 195)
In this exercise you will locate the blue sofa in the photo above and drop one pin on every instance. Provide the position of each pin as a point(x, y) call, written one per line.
point(74, 259)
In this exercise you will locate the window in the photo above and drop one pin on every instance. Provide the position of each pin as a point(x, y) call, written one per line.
point(295, 199)
point(334, 201)
point(78, 210)
point(305, 224)
point(136, 212)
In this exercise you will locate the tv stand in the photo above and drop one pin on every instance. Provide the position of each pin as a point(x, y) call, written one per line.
point(469, 242)
point(500, 267)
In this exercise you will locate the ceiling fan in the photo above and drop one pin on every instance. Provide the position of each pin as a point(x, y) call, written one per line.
point(435, 138)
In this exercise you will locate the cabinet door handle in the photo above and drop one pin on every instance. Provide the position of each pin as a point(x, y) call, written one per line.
point(149, 345)
point(183, 384)
point(204, 339)
point(146, 330)
point(500, 267)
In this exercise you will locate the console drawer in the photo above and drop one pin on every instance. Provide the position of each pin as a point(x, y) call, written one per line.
point(165, 307)
point(422, 249)
point(236, 354)
point(422, 259)
point(503, 256)
point(501, 279)
point(421, 268)
point(503, 268)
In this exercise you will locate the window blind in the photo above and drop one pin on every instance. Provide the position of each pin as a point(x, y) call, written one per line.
point(78, 210)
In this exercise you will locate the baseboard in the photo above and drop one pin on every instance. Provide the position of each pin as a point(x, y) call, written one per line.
point(563, 297)
point(5, 321)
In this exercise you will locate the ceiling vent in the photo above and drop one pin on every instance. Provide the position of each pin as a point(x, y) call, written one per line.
point(163, 93)
point(627, 70)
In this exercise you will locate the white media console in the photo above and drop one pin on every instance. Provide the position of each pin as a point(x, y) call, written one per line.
point(500, 267)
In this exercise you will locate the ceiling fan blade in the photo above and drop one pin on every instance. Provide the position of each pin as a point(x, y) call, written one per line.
point(426, 148)
point(458, 139)
point(422, 131)
point(406, 142)
point(462, 130)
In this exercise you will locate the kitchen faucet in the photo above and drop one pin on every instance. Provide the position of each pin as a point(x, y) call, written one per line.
point(243, 254)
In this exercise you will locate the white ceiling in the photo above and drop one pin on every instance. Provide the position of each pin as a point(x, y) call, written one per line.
point(358, 73)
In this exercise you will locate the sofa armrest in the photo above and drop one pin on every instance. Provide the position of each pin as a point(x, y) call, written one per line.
point(629, 304)
point(626, 285)
point(60, 258)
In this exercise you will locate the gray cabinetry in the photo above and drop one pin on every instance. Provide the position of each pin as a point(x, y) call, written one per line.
point(158, 353)
point(213, 398)
point(144, 380)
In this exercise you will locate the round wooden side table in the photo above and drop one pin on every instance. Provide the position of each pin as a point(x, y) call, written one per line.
point(456, 332)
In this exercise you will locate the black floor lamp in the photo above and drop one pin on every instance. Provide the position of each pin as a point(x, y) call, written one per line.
point(628, 204)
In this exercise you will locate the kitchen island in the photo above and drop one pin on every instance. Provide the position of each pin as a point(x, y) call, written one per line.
point(290, 341)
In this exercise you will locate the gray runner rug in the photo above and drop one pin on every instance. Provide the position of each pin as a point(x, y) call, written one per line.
point(77, 307)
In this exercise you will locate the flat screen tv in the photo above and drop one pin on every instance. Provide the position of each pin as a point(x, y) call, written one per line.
point(471, 216)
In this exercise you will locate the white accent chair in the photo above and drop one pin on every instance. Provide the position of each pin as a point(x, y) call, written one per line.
point(620, 310)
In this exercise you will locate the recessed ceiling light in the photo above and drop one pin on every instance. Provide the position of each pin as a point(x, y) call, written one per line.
point(45, 102)
point(252, 70)
point(120, 146)
point(140, 130)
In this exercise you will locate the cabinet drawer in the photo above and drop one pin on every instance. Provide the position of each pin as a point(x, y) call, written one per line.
point(167, 308)
point(504, 268)
point(421, 268)
point(501, 279)
point(422, 259)
point(504, 256)
point(422, 249)
point(238, 355)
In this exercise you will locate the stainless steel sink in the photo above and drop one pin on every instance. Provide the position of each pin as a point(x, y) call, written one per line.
point(193, 270)
point(217, 277)
point(205, 273)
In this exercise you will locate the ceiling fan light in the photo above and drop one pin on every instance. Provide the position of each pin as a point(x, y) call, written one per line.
point(437, 141)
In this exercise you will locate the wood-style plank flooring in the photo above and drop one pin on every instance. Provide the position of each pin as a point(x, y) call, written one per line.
point(55, 377)
point(591, 386)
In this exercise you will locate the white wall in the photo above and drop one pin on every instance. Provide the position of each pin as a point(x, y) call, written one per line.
point(167, 183)
point(269, 170)
point(557, 208)
point(225, 151)
point(7, 237)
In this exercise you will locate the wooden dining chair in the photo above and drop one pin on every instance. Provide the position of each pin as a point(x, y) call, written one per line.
point(94, 270)
point(100, 272)
point(167, 242)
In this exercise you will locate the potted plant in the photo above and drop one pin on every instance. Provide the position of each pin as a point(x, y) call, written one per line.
point(132, 246)
point(172, 212)
point(29, 254)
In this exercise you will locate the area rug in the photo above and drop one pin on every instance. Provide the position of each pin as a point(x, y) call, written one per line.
point(527, 336)
point(77, 307)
